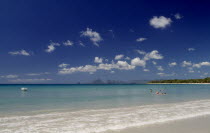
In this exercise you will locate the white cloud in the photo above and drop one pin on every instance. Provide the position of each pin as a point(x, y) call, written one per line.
point(141, 39)
point(160, 68)
point(178, 16)
point(93, 35)
point(86, 68)
point(160, 22)
point(146, 70)
point(154, 63)
point(127, 58)
point(21, 52)
point(63, 65)
point(51, 47)
point(138, 62)
point(199, 65)
point(191, 49)
point(186, 63)
point(112, 72)
point(98, 60)
point(10, 76)
point(118, 57)
point(164, 74)
point(141, 52)
point(172, 64)
point(81, 43)
point(121, 65)
point(153, 55)
point(191, 71)
point(68, 43)
point(37, 74)
point(30, 80)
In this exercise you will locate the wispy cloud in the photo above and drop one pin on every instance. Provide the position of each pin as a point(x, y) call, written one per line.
point(81, 43)
point(63, 65)
point(141, 39)
point(165, 74)
point(178, 16)
point(10, 76)
point(68, 43)
point(172, 64)
point(191, 49)
point(21, 52)
point(160, 22)
point(30, 80)
point(92, 35)
point(37, 74)
point(160, 68)
point(141, 52)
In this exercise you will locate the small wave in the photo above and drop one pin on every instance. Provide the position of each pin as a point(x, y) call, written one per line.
point(89, 121)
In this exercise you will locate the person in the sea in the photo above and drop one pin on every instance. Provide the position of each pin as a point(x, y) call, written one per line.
point(151, 90)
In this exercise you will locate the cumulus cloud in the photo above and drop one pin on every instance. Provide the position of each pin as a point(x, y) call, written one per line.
point(160, 68)
point(68, 43)
point(178, 16)
point(160, 22)
point(51, 47)
point(10, 76)
point(92, 35)
point(141, 52)
point(118, 57)
point(138, 62)
point(153, 55)
point(98, 60)
point(141, 39)
point(191, 49)
point(199, 65)
point(172, 64)
point(63, 65)
point(21, 52)
point(121, 65)
point(186, 63)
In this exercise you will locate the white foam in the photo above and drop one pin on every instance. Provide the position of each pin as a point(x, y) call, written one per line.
point(88, 121)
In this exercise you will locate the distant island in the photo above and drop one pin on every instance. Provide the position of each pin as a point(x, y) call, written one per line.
point(181, 81)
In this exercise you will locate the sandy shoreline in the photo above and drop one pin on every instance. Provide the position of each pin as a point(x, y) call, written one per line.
point(191, 125)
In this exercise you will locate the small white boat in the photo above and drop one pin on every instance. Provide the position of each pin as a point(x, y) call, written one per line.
point(24, 89)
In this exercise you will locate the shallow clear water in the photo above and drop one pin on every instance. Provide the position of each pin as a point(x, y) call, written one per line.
point(97, 108)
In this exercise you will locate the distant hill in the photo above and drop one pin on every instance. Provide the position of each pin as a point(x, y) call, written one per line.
point(205, 80)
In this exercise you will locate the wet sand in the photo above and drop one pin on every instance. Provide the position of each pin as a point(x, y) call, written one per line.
point(192, 125)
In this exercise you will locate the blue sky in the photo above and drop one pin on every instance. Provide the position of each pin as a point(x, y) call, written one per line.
point(80, 41)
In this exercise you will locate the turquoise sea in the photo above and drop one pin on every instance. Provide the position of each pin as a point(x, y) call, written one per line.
point(97, 108)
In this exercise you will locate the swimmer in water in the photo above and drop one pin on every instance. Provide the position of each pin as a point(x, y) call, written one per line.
point(151, 90)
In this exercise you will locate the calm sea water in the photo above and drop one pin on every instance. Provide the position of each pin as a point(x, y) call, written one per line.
point(97, 108)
